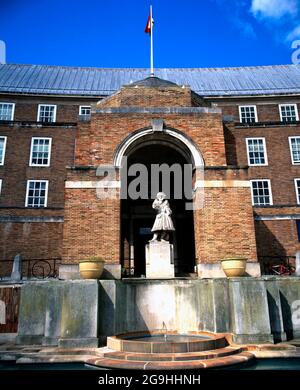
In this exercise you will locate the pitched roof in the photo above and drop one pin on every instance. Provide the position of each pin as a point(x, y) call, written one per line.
point(153, 82)
point(76, 81)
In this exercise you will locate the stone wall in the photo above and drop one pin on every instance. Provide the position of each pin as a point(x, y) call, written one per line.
point(84, 313)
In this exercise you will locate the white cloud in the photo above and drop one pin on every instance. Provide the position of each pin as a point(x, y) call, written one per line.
point(274, 9)
point(279, 16)
point(294, 34)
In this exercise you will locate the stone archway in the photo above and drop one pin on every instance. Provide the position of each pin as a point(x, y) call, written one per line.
point(148, 148)
point(175, 137)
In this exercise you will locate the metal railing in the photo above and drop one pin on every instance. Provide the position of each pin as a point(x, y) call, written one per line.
point(32, 268)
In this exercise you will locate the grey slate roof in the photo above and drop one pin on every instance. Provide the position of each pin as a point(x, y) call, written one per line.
point(60, 80)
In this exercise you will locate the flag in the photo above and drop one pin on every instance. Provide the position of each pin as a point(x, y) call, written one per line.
point(148, 27)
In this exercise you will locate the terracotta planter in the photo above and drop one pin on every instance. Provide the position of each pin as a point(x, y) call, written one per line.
point(234, 266)
point(91, 269)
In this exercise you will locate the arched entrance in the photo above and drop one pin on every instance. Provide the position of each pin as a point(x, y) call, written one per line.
point(150, 150)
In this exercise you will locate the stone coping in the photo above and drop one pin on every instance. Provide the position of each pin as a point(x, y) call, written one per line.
point(104, 357)
point(126, 342)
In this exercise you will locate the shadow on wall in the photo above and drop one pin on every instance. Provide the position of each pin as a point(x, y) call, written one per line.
point(287, 317)
point(230, 145)
point(275, 317)
point(126, 318)
point(269, 249)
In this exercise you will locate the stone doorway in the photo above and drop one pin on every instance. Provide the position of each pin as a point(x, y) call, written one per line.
point(137, 216)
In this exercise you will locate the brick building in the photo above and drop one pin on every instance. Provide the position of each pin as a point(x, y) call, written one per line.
point(238, 128)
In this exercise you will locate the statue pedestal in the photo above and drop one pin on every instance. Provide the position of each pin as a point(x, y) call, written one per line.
point(159, 260)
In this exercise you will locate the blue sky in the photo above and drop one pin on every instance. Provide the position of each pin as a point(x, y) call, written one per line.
point(187, 33)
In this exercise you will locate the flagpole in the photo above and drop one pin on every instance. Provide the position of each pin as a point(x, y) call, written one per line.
point(151, 44)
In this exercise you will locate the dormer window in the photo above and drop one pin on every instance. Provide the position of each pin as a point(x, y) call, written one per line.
point(7, 111)
point(248, 114)
point(288, 112)
point(46, 113)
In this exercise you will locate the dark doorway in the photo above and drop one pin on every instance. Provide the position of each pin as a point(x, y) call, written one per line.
point(141, 236)
point(138, 216)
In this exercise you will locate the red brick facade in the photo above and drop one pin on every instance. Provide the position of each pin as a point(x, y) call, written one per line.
point(76, 224)
point(227, 211)
point(275, 226)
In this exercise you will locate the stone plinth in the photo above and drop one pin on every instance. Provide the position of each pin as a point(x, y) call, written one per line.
point(159, 260)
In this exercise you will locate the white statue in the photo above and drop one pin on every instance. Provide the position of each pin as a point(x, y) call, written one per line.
point(163, 223)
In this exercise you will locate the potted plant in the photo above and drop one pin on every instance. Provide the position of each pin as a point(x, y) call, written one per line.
point(234, 266)
point(91, 267)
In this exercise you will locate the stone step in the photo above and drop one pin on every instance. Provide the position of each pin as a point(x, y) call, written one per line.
point(212, 354)
point(232, 360)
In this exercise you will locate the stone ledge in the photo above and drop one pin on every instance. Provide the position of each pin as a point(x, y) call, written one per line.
point(91, 342)
point(214, 270)
point(158, 110)
point(31, 219)
point(71, 272)
point(252, 338)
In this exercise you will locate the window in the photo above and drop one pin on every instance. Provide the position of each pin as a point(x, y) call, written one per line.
point(261, 192)
point(288, 112)
point(295, 149)
point(297, 188)
point(84, 113)
point(85, 110)
point(2, 149)
point(36, 193)
point(248, 114)
point(46, 113)
point(257, 151)
point(7, 111)
point(298, 229)
point(40, 152)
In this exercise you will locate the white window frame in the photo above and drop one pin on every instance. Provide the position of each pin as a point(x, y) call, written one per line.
point(255, 112)
point(31, 151)
point(48, 105)
point(12, 111)
point(80, 107)
point(270, 190)
point(265, 151)
point(4, 149)
point(297, 190)
point(291, 149)
point(0, 186)
point(46, 194)
point(288, 104)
